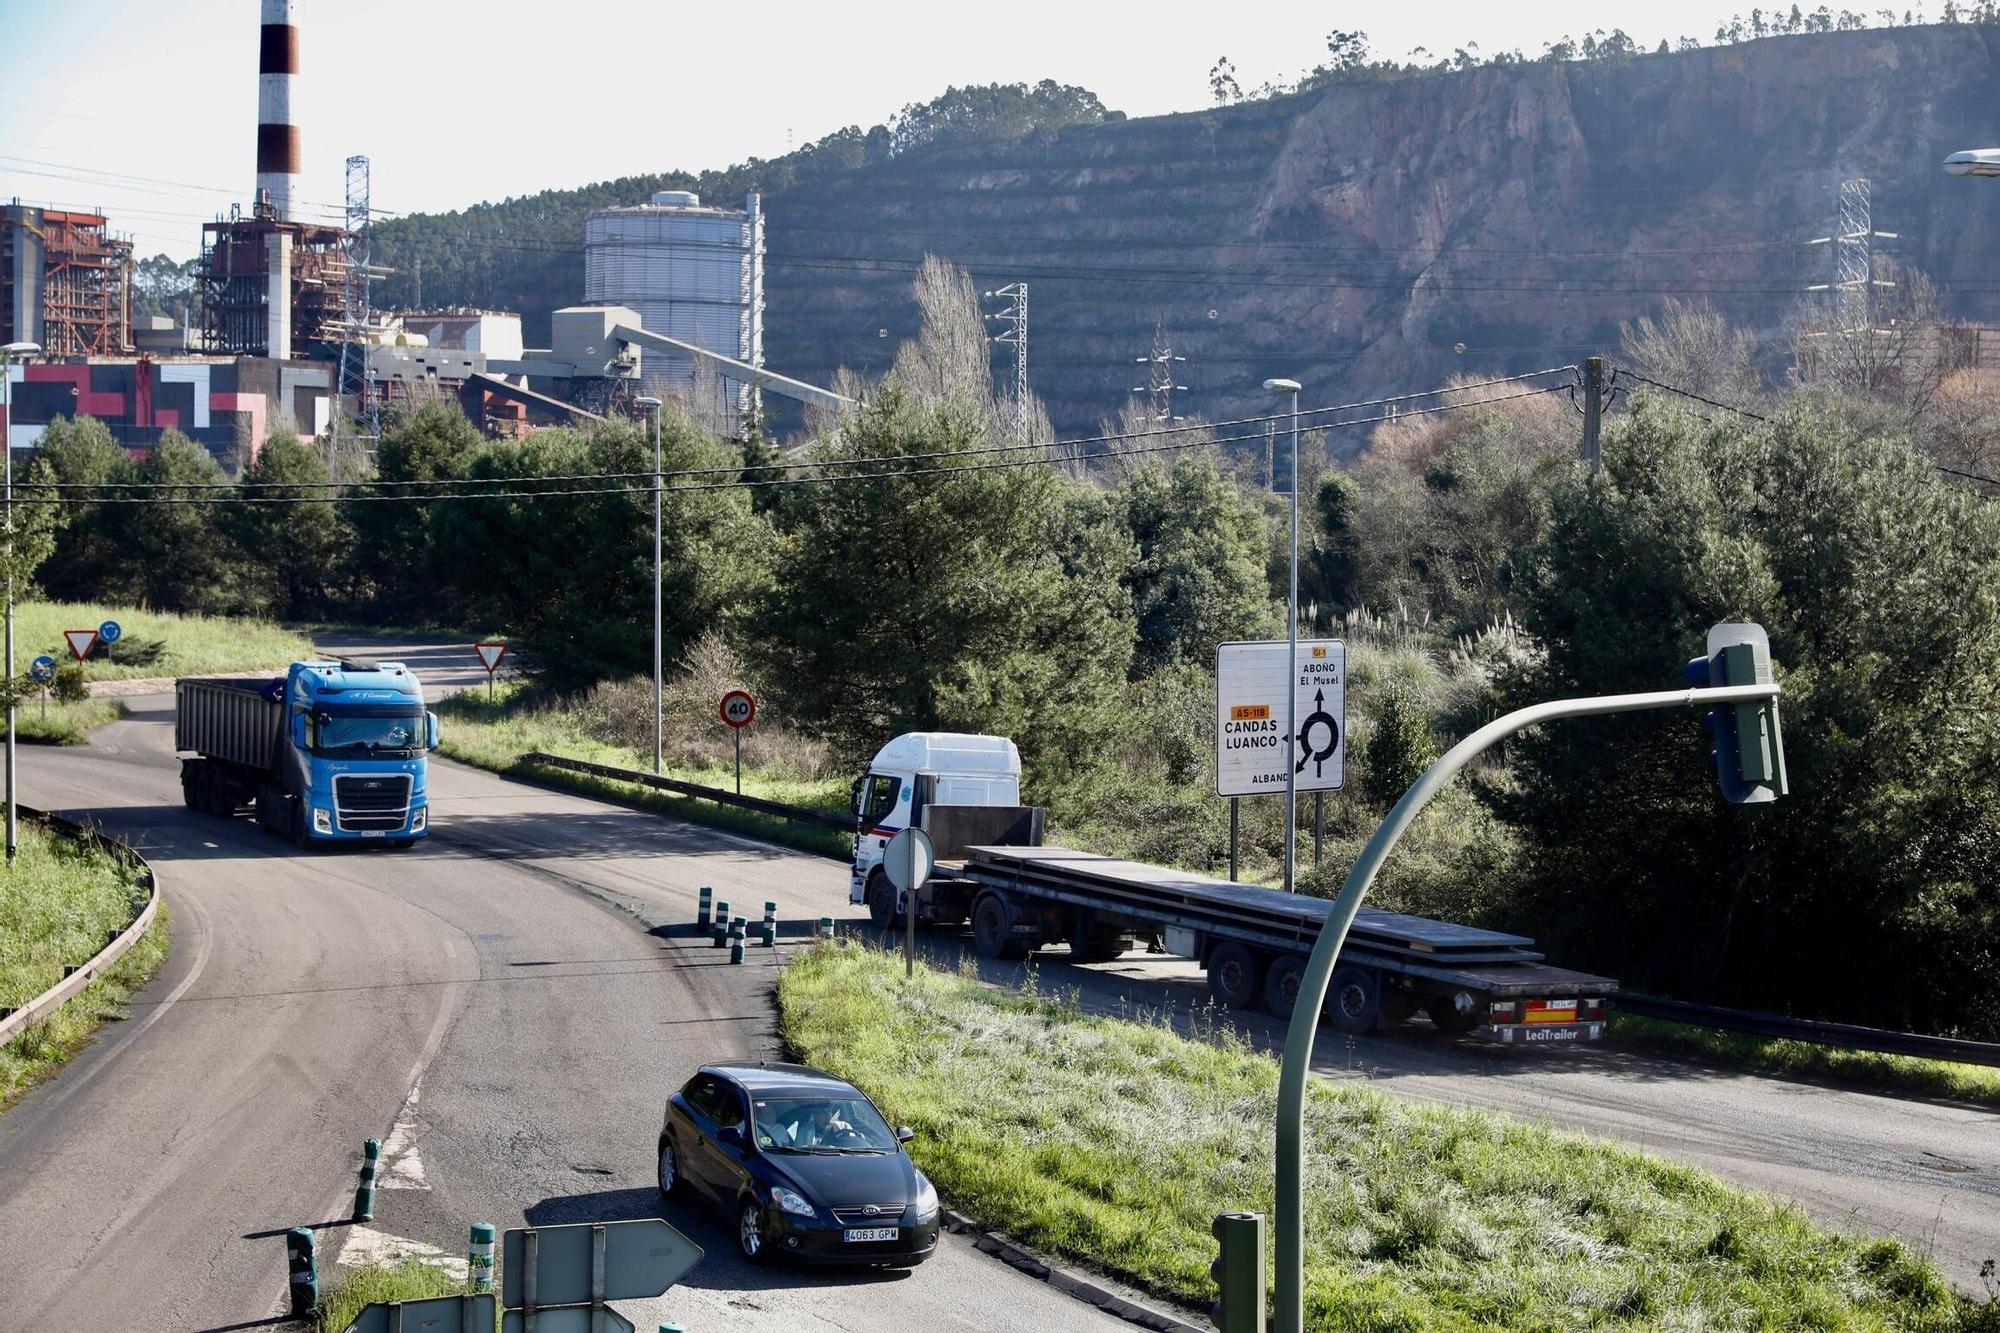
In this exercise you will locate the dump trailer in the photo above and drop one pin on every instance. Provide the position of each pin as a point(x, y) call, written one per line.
point(330, 752)
point(1253, 943)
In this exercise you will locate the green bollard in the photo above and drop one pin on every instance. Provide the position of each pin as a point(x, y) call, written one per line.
point(770, 925)
point(479, 1259)
point(719, 935)
point(302, 1272)
point(736, 940)
point(364, 1198)
point(672, 1328)
point(701, 912)
point(826, 927)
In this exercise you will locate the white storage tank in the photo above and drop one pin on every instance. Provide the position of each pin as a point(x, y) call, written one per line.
point(693, 273)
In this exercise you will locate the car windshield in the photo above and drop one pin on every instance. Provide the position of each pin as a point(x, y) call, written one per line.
point(821, 1124)
point(365, 735)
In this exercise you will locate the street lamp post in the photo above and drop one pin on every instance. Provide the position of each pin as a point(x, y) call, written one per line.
point(1292, 656)
point(659, 477)
point(1974, 162)
point(9, 354)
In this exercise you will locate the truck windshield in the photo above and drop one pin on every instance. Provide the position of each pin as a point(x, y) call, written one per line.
point(342, 734)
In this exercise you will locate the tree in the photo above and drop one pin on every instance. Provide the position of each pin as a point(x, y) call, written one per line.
point(160, 286)
point(571, 576)
point(293, 539)
point(1347, 51)
point(1399, 746)
point(182, 558)
point(1222, 84)
point(1199, 577)
point(1691, 346)
point(90, 563)
point(960, 599)
point(396, 560)
point(1872, 892)
point(952, 356)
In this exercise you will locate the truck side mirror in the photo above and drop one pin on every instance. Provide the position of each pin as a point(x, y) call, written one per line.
point(854, 796)
point(431, 731)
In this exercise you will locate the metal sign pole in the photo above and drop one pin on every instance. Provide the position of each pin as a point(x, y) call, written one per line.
point(739, 759)
point(1235, 832)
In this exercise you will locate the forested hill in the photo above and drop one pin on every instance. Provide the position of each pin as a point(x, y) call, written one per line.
point(1377, 233)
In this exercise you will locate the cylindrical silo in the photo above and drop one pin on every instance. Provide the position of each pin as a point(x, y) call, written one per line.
point(693, 273)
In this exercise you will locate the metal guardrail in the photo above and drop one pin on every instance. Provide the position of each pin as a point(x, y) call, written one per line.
point(796, 813)
point(14, 1021)
point(1846, 1035)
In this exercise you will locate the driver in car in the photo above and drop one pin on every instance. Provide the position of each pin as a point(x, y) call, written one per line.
point(817, 1125)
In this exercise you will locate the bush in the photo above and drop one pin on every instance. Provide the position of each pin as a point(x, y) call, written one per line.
point(69, 686)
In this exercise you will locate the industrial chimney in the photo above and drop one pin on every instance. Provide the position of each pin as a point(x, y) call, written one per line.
point(277, 137)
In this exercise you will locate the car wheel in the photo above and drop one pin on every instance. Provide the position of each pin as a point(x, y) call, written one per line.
point(1233, 975)
point(881, 900)
point(750, 1233)
point(1354, 1000)
point(671, 1184)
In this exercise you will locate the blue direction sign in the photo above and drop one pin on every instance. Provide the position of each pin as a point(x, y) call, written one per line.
point(635, 1260)
point(43, 668)
point(110, 631)
point(440, 1314)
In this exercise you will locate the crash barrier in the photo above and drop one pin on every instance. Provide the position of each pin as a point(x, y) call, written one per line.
point(13, 1021)
point(796, 813)
point(1844, 1035)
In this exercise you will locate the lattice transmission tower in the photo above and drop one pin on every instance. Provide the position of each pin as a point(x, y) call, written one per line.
point(1851, 307)
point(1014, 333)
point(356, 314)
point(1159, 387)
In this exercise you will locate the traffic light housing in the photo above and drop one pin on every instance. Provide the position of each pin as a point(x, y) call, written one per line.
point(1238, 1271)
point(1749, 750)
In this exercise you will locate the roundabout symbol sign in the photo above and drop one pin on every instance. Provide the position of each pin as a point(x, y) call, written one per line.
point(1250, 717)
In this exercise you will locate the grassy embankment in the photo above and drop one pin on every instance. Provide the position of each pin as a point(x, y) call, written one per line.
point(1115, 1143)
point(494, 735)
point(357, 1288)
point(156, 643)
point(57, 904)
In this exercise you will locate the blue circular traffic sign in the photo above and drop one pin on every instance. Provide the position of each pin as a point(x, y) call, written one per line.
point(109, 631)
point(43, 668)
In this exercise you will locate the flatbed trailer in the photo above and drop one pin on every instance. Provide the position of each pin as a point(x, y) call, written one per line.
point(1253, 943)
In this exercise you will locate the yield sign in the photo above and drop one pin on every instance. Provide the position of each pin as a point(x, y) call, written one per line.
point(81, 641)
point(490, 655)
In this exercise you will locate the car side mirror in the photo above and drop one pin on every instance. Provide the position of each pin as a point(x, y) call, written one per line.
point(732, 1135)
point(904, 1133)
point(431, 731)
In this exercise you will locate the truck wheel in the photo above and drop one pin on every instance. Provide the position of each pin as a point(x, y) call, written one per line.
point(1233, 975)
point(993, 928)
point(1446, 1018)
point(191, 772)
point(1100, 944)
point(1281, 984)
point(1354, 1000)
point(880, 896)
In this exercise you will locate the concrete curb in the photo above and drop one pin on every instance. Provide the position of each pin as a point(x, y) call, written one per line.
point(1070, 1283)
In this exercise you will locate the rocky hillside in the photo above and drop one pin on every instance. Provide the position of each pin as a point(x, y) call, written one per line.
point(1382, 234)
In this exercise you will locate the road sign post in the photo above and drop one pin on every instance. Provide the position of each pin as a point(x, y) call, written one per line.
point(110, 632)
point(738, 711)
point(490, 653)
point(560, 1277)
point(907, 861)
point(43, 669)
point(1253, 696)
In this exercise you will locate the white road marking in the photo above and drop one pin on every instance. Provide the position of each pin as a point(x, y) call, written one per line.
point(366, 1245)
point(403, 1167)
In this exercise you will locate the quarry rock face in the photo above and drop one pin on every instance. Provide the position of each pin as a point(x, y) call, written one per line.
point(1383, 234)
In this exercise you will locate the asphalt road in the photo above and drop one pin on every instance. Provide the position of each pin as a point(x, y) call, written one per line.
point(499, 1019)
point(509, 1002)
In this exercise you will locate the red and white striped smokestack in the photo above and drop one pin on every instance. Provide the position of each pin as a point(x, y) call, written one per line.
point(277, 137)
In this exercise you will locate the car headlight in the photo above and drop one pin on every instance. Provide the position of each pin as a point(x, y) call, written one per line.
point(322, 821)
point(789, 1202)
point(927, 1200)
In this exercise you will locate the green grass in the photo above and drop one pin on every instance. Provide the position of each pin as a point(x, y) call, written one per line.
point(157, 643)
point(64, 724)
point(408, 1280)
point(57, 903)
point(494, 735)
point(1777, 1055)
point(1115, 1143)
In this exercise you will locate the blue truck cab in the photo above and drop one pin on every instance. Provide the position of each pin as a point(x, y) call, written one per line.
point(336, 751)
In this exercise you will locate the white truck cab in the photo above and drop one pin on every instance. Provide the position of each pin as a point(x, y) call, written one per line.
point(925, 768)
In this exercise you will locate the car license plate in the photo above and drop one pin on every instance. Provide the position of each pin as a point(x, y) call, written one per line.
point(860, 1234)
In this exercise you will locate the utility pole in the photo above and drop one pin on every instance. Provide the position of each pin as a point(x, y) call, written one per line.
point(659, 479)
point(1593, 410)
point(1159, 387)
point(1015, 334)
point(9, 354)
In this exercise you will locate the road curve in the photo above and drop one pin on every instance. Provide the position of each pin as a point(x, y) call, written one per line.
point(508, 1029)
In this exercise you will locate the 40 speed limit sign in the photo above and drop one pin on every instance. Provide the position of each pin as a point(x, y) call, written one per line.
point(738, 709)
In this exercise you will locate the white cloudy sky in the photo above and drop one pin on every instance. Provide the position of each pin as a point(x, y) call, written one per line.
point(147, 108)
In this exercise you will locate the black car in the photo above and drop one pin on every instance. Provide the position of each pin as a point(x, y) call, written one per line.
point(802, 1163)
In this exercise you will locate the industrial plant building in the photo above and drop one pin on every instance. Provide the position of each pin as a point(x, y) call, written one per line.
point(65, 282)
